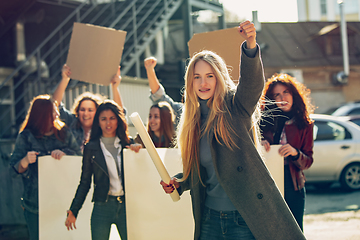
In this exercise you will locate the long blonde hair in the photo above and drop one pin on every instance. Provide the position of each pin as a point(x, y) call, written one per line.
point(189, 132)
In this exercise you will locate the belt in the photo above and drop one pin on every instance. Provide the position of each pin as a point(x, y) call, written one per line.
point(120, 199)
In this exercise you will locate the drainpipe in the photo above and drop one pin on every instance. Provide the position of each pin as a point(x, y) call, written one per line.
point(32, 64)
point(342, 77)
point(256, 21)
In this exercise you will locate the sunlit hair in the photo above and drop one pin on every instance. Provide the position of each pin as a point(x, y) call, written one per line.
point(189, 132)
point(97, 99)
point(40, 120)
point(122, 128)
point(302, 106)
point(167, 119)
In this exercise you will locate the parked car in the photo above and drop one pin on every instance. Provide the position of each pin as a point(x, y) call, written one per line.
point(336, 153)
point(352, 118)
point(352, 108)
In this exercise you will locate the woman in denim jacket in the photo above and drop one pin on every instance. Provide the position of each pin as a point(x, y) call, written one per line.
point(80, 118)
point(42, 133)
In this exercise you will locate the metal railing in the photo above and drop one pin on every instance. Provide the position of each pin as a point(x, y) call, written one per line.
point(142, 19)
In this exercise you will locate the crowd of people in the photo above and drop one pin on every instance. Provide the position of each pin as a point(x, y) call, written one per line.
point(215, 128)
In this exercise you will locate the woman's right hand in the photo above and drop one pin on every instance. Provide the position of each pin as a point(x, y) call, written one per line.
point(70, 221)
point(31, 157)
point(169, 188)
point(266, 145)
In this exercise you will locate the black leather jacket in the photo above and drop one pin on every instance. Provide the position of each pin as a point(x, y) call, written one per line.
point(94, 164)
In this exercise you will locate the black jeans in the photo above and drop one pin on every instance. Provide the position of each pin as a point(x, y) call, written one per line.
point(294, 199)
point(32, 220)
point(106, 213)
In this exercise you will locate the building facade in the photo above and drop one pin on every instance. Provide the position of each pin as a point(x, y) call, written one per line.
point(327, 10)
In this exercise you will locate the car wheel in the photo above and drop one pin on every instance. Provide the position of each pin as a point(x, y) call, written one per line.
point(350, 177)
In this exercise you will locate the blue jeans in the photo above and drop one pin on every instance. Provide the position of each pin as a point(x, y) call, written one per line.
point(106, 213)
point(32, 221)
point(227, 225)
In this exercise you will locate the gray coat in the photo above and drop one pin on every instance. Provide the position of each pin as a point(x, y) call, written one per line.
point(241, 171)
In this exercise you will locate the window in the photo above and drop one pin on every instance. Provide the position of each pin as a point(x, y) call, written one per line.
point(323, 9)
point(355, 111)
point(324, 131)
point(356, 121)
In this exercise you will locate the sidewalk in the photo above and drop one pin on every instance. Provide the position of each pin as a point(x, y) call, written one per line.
point(333, 226)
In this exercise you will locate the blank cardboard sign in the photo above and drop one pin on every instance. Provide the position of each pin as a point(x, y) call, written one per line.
point(226, 43)
point(58, 181)
point(275, 164)
point(150, 212)
point(95, 53)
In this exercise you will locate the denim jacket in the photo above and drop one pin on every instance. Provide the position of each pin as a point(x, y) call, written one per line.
point(73, 123)
point(160, 96)
point(26, 142)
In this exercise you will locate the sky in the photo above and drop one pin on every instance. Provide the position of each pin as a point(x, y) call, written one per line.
point(268, 10)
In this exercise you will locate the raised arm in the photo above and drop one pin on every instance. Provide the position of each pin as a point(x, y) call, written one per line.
point(150, 64)
point(251, 82)
point(115, 82)
point(60, 90)
point(157, 90)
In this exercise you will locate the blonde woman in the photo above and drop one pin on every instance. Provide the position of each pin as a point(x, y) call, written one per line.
point(233, 194)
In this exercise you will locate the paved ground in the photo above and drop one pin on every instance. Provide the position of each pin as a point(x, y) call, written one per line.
point(333, 226)
point(327, 226)
point(332, 214)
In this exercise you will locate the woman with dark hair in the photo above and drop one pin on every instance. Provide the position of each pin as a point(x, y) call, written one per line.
point(157, 91)
point(42, 133)
point(80, 118)
point(160, 125)
point(103, 161)
point(286, 120)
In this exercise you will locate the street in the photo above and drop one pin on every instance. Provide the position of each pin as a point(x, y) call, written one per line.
point(332, 214)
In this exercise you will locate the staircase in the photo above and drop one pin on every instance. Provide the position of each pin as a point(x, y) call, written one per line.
point(141, 19)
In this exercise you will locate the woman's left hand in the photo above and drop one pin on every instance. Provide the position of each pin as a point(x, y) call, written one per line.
point(57, 154)
point(247, 30)
point(134, 147)
point(287, 150)
point(116, 79)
